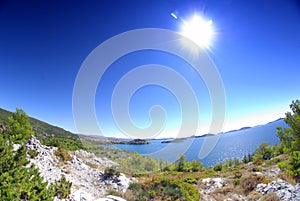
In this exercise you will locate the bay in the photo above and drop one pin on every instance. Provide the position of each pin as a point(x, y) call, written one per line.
point(230, 145)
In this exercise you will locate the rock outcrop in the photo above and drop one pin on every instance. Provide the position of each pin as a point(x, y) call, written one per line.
point(283, 189)
point(84, 170)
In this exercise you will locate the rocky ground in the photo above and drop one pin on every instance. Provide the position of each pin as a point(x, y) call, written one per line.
point(84, 170)
point(273, 188)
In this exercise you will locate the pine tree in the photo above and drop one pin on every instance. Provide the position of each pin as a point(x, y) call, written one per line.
point(290, 138)
point(18, 182)
point(18, 127)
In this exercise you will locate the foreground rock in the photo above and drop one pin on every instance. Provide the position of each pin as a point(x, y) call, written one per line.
point(283, 189)
point(84, 170)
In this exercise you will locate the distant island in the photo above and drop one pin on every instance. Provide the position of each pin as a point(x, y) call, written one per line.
point(134, 142)
point(173, 141)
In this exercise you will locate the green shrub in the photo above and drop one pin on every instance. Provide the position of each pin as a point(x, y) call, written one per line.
point(263, 152)
point(110, 172)
point(196, 166)
point(237, 174)
point(113, 192)
point(164, 189)
point(137, 164)
point(32, 153)
point(257, 169)
point(63, 142)
point(135, 187)
point(218, 167)
point(236, 181)
point(190, 180)
point(62, 188)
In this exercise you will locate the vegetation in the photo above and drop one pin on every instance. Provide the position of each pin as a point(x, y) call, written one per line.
point(61, 188)
point(270, 197)
point(110, 172)
point(64, 143)
point(263, 152)
point(49, 135)
point(18, 182)
point(290, 139)
point(137, 164)
point(18, 127)
point(163, 188)
point(63, 154)
point(158, 179)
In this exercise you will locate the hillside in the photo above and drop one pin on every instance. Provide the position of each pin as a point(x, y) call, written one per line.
point(41, 128)
point(48, 134)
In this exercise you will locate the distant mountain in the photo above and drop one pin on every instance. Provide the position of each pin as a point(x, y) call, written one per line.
point(280, 120)
point(42, 129)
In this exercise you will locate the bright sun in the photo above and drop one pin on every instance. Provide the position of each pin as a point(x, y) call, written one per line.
point(198, 30)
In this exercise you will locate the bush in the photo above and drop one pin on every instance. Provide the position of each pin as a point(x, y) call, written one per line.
point(218, 167)
point(62, 188)
point(237, 174)
point(32, 153)
point(181, 164)
point(196, 166)
point(190, 180)
point(236, 181)
point(164, 189)
point(137, 164)
point(257, 169)
point(263, 152)
point(113, 192)
point(110, 172)
point(63, 142)
point(63, 154)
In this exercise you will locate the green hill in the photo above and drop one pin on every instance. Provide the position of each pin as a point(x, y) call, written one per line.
point(50, 135)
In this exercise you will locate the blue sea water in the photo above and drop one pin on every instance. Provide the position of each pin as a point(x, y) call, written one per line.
point(230, 145)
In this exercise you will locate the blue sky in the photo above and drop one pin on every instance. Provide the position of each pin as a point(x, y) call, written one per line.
point(44, 43)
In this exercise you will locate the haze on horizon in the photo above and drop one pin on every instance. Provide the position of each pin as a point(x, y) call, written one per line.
point(256, 49)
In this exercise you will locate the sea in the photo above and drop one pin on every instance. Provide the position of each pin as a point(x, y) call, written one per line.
point(234, 144)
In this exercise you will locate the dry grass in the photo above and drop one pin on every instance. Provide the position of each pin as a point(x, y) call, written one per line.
point(270, 197)
point(254, 195)
point(290, 179)
point(92, 165)
point(249, 184)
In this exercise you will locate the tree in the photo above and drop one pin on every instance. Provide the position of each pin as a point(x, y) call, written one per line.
point(290, 138)
point(196, 166)
point(18, 127)
point(181, 163)
point(16, 181)
point(263, 152)
point(151, 164)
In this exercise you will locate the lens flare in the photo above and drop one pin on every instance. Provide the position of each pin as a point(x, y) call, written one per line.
point(199, 30)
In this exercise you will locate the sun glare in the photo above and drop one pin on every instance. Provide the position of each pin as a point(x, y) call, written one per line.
point(198, 30)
